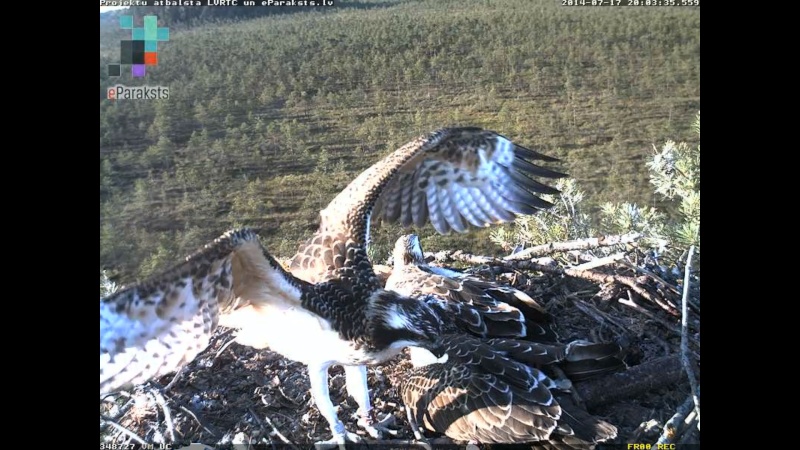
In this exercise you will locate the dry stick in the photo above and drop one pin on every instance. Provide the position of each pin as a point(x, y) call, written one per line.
point(673, 426)
point(637, 380)
point(199, 422)
point(274, 428)
point(578, 244)
point(124, 430)
point(224, 347)
point(687, 364)
point(167, 414)
point(601, 317)
point(600, 262)
point(669, 326)
point(175, 379)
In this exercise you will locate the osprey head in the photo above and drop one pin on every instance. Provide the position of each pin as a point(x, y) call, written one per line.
point(399, 321)
point(407, 250)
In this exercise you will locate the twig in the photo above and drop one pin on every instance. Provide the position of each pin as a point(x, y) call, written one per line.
point(167, 414)
point(177, 376)
point(123, 430)
point(274, 428)
point(674, 425)
point(199, 422)
point(669, 326)
point(600, 262)
point(687, 364)
point(601, 317)
point(224, 347)
point(578, 244)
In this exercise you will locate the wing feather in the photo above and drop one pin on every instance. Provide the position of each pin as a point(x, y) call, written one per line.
point(481, 393)
point(444, 178)
point(156, 326)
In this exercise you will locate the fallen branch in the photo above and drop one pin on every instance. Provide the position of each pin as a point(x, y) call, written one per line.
point(655, 374)
point(578, 244)
point(685, 360)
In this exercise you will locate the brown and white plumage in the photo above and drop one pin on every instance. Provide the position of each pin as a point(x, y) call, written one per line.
point(453, 178)
point(497, 391)
point(481, 307)
point(154, 327)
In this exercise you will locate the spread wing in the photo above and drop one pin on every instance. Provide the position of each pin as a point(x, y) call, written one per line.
point(483, 393)
point(452, 178)
point(155, 327)
point(471, 177)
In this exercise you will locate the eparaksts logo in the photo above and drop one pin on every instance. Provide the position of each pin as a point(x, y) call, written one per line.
point(120, 92)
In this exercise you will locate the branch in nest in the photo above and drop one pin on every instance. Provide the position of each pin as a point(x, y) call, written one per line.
point(654, 374)
point(578, 244)
point(685, 359)
point(555, 270)
point(673, 428)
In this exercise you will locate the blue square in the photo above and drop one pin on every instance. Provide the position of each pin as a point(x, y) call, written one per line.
point(162, 34)
point(137, 34)
point(151, 46)
point(126, 22)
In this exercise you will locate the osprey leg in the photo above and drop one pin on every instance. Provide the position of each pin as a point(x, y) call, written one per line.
point(318, 375)
point(356, 381)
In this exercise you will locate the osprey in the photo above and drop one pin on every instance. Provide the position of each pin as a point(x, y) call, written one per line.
point(154, 327)
point(335, 311)
point(481, 307)
point(490, 391)
point(452, 178)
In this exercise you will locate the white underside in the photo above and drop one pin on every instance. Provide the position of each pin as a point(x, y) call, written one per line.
point(300, 335)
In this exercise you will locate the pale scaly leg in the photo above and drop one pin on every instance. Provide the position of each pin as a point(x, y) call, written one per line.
point(356, 379)
point(318, 376)
point(417, 430)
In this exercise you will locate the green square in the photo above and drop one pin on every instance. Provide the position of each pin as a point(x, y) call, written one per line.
point(126, 22)
point(163, 34)
point(137, 34)
point(150, 27)
point(151, 46)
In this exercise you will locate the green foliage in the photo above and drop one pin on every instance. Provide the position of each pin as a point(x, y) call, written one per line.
point(269, 118)
point(675, 173)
